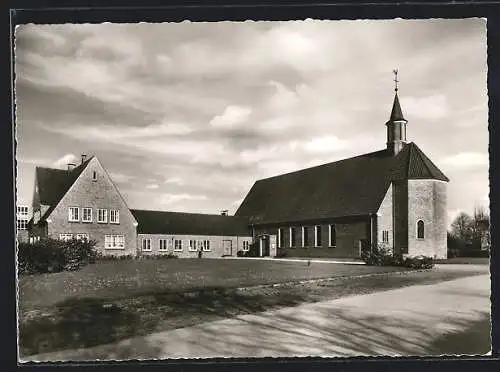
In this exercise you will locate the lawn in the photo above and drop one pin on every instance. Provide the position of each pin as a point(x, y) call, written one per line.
point(110, 301)
point(117, 279)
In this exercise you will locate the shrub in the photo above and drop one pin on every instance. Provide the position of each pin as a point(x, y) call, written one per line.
point(382, 256)
point(52, 255)
point(240, 254)
point(419, 262)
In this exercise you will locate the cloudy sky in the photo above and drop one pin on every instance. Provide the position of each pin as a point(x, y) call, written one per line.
point(186, 116)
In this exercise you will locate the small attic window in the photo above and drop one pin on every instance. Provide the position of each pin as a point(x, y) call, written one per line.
point(94, 176)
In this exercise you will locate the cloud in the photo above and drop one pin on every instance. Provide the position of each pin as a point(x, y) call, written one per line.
point(152, 186)
point(232, 117)
point(326, 144)
point(120, 178)
point(466, 160)
point(168, 199)
point(431, 108)
point(63, 161)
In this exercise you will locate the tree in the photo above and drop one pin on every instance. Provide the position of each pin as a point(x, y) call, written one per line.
point(461, 228)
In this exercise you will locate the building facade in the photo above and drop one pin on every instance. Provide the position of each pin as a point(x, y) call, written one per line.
point(393, 198)
point(22, 220)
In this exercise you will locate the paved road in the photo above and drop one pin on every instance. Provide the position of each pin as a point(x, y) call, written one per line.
point(406, 321)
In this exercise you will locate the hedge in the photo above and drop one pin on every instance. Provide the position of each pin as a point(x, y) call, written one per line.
point(52, 255)
point(381, 256)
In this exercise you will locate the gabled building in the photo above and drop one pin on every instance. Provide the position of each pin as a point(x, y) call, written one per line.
point(394, 198)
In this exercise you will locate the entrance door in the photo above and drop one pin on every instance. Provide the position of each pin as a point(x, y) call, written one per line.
point(227, 247)
point(264, 244)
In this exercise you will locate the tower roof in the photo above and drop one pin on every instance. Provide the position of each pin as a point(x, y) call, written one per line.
point(396, 113)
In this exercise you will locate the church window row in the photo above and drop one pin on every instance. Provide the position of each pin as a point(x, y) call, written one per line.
point(305, 240)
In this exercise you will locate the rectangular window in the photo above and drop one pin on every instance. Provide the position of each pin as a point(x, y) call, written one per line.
point(94, 176)
point(317, 236)
point(22, 224)
point(102, 215)
point(82, 236)
point(332, 239)
point(22, 210)
point(192, 245)
point(114, 241)
point(73, 214)
point(246, 246)
point(163, 245)
point(86, 214)
point(114, 216)
point(177, 245)
point(305, 239)
point(206, 245)
point(281, 238)
point(146, 245)
point(292, 241)
point(65, 237)
point(385, 236)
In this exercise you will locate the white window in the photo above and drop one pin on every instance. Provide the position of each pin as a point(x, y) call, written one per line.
point(304, 236)
point(199, 244)
point(114, 216)
point(206, 245)
point(82, 236)
point(317, 236)
point(114, 241)
point(22, 224)
point(86, 214)
point(192, 245)
point(163, 245)
point(332, 238)
point(22, 210)
point(385, 236)
point(177, 245)
point(102, 215)
point(34, 239)
point(73, 214)
point(65, 237)
point(246, 246)
point(146, 245)
point(291, 237)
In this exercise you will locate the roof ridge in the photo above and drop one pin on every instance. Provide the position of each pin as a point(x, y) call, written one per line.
point(324, 164)
point(177, 212)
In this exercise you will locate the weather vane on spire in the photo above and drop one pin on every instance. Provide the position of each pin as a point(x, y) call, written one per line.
point(396, 81)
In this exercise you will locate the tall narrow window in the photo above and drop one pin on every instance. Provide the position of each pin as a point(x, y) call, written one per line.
point(177, 245)
point(86, 214)
point(114, 216)
point(102, 215)
point(293, 242)
point(420, 230)
point(281, 238)
point(206, 245)
point(317, 236)
point(73, 214)
point(146, 245)
point(385, 236)
point(192, 245)
point(94, 176)
point(163, 245)
point(305, 237)
point(332, 236)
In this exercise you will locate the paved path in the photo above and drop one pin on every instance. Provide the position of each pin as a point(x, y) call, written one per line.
point(312, 260)
point(404, 321)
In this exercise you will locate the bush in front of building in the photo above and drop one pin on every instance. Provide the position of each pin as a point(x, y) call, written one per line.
point(52, 255)
point(280, 252)
point(383, 256)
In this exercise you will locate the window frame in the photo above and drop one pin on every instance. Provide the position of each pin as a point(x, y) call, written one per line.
point(113, 238)
point(418, 230)
point(304, 236)
point(206, 246)
point(146, 245)
point(180, 247)
point(83, 215)
point(105, 220)
point(117, 215)
point(65, 237)
point(193, 245)
point(70, 214)
point(330, 235)
point(246, 246)
point(94, 175)
point(162, 247)
point(78, 236)
point(316, 229)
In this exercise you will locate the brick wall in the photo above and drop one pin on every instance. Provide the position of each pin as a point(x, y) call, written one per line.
point(217, 247)
point(95, 194)
point(400, 203)
point(385, 220)
point(427, 202)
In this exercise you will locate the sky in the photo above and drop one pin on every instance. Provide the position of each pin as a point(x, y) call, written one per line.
point(187, 116)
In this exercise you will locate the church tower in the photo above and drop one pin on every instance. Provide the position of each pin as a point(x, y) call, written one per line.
point(396, 126)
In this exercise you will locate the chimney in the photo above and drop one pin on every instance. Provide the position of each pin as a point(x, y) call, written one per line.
point(71, 166)
point(224, 212)
point(84, 157)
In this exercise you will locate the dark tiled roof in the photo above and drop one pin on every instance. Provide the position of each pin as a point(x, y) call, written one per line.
point(159, 222)
point(396, 113)
point(53, 184)
point(349, 187)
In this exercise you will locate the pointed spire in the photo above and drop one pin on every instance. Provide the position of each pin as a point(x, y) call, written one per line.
point(396, 113)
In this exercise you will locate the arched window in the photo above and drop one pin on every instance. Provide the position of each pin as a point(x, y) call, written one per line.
point(420, 229)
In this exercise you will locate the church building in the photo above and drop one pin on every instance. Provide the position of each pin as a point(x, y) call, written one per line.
point(393, 198)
